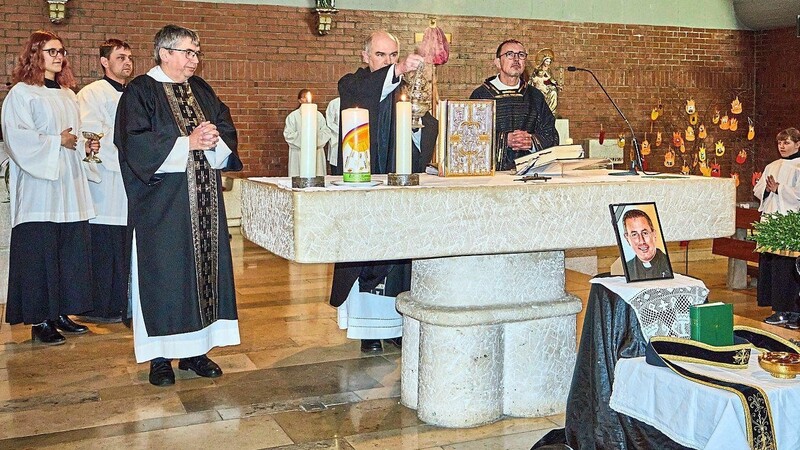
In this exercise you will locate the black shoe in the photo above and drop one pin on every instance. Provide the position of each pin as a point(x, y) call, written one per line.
point(161, 373)
point(201, 365)
point(778, 318)
point(793, 321)
point(46, 333)
point(371, 345)
point(66, 325)
point(128, 322)
point(397, 342)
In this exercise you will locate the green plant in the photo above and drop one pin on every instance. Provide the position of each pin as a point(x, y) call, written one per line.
point(777, 232)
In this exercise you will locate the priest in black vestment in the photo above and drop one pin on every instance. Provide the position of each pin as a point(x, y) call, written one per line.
point(523, 121)
point(175, 136)
point(370, 287)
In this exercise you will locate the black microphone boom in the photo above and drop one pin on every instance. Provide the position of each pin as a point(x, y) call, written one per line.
point(635, 142)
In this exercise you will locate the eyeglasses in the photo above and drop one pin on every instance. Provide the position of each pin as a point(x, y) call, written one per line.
point(53, 52)
point(188, 52)
point(644, 235)
point(510, 55)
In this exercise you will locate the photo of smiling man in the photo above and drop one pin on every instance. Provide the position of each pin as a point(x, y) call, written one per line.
point(645, 253)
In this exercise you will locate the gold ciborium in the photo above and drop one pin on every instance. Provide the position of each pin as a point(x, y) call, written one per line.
point(780, 364)
point(419, 94)
point(88, 135)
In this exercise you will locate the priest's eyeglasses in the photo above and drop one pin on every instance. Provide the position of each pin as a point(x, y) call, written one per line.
point(188, 52)
point(53, 52)
point(636, 236)
point(510, 55)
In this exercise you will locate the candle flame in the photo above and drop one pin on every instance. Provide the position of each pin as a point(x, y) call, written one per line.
point(403, 97)
point(308, 97)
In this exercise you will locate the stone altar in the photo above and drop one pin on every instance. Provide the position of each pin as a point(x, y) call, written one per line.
point(489, 329)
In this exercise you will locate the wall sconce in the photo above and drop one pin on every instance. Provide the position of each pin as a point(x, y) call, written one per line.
point(57, 10)
point(325, 10)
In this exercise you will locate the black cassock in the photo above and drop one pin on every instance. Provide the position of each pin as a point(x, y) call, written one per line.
point(184, 257)
point(363, 89)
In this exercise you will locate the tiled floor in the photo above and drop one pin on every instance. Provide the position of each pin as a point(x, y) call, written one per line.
point(295, 382)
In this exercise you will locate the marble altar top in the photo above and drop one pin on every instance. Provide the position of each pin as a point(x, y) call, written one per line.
point(472, 215)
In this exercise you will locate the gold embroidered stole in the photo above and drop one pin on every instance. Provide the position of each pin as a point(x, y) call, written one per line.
point(666, 351)
point(203, 202)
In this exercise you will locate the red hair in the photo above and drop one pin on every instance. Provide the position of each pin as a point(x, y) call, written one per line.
point(30, 65)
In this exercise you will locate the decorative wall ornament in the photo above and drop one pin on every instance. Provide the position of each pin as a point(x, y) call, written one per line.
point(701, 132)
point(324, 10)
point(57, 10)
point(736, 106)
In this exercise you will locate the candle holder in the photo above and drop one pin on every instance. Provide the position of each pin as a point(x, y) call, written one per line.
point(303, 182)
point(403, 179)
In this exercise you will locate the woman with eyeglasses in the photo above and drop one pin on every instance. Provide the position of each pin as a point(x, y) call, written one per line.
point(49, 268)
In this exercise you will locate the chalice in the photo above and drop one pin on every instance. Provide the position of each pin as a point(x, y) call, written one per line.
point(91, 157)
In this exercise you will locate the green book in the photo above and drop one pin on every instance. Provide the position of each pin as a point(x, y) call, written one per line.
point(712, 323)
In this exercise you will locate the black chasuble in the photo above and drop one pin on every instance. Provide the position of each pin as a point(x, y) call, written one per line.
point(184, 257)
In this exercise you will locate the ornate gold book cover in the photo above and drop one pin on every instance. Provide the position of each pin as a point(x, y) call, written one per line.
point(468, 147)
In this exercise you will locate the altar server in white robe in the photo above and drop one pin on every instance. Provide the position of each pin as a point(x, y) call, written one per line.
point(110, 262)
point(175, 136)
point(291, 133)
point(779, 192)
point(49, 259)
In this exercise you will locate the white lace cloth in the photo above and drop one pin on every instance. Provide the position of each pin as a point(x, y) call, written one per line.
point(662, 306)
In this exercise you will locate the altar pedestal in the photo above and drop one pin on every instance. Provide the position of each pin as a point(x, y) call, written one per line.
point(487, 321)
point(489, 329)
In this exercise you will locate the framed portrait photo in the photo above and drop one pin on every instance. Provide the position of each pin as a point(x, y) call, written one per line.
point(640, 241)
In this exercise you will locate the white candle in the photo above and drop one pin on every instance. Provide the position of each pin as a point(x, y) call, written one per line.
point(308, 138)
point(355, 145)
point(403, 137)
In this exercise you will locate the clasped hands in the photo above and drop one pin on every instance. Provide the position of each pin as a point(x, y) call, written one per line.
point(204, 137)
point(772, 185)
point(519, 140)
point(70, 141)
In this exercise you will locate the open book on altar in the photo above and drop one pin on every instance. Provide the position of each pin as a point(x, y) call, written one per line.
point(555, 161)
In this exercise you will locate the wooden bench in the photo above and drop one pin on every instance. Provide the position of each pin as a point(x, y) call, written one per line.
point(739, 250)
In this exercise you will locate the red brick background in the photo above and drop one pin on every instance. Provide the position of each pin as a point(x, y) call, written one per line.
point(777, 88)
point(259, 56)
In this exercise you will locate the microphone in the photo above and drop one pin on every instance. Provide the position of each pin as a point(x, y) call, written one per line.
point(635, 142)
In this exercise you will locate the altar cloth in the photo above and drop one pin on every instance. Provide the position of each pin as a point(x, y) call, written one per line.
point(700, 416)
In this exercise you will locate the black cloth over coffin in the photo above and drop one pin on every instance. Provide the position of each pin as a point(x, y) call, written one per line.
point(610, 331)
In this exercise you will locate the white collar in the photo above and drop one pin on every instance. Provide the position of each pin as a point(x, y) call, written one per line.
point(502, 86)
point(157, 73)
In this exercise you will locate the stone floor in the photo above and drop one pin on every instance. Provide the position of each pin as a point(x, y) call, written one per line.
point(295, 382)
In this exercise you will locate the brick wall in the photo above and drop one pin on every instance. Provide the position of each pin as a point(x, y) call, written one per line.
point(777, 88)
point(260, 56)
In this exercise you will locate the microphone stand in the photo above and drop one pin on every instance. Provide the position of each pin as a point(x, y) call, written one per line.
point(637, 152)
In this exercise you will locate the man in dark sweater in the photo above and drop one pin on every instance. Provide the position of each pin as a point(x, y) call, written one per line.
point(523, 121)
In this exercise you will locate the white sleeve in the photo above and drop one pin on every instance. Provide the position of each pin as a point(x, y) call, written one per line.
point(388, 85)
point(218, 158)
point(323, 132)
point(178, 157)
point(31, 150)
point(291, 131)
point(761, 186)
